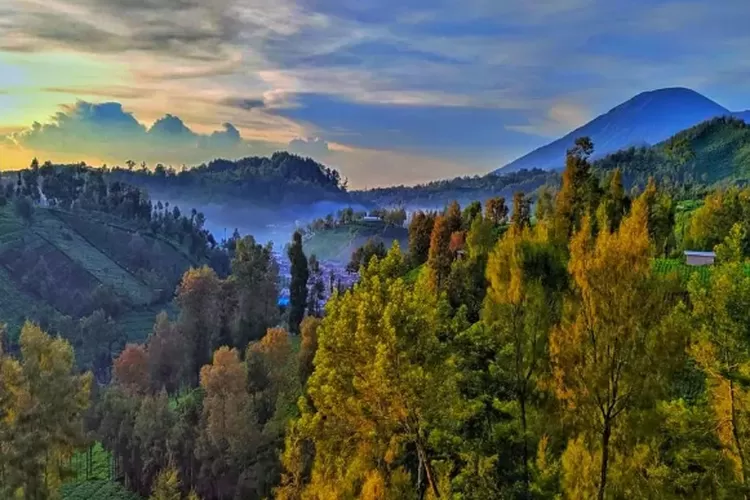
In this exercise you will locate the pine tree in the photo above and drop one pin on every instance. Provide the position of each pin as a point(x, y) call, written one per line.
point(167, 486)
point(298, 286)
point(420, 229)
point(439, 260)
point(604, 352)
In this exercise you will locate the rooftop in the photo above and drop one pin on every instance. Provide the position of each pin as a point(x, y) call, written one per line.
point(694, 253)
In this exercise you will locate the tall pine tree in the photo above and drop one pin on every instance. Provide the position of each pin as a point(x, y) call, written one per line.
point(298, 285)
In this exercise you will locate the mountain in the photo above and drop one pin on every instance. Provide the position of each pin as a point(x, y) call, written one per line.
point(648, 118)
point(743, 115)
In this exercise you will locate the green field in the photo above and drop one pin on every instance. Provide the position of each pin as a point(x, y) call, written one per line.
point(96, 490)
point(90, 258)
point(683, 271)
point(92, 478)
point(84, 251)
point(340, 242)
point(138, 323)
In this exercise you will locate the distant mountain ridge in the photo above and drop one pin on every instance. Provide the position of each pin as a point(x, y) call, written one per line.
point(646, 119)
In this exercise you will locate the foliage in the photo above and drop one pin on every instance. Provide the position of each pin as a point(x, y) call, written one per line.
point(278, 180)
point(365, 253)
point(298, 285)
point(401, 394)
point(42, 401)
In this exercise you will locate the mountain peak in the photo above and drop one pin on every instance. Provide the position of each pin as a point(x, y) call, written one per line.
point(647, 118)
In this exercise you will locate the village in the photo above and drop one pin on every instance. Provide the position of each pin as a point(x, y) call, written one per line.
point(332, 273)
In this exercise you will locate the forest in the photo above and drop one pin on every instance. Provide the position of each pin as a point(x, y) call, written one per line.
point(549, 349)
point(278, 180)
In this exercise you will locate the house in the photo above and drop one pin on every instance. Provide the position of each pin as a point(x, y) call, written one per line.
point(371, 218)
point(693, 258)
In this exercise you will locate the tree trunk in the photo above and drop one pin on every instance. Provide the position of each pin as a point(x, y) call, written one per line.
point(605, 457)
point(526, 478)
point(427, 469)
point(736, 433)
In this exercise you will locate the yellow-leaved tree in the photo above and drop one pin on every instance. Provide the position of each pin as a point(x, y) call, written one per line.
point(42, 401)
point(608, 341)
point(382, 393)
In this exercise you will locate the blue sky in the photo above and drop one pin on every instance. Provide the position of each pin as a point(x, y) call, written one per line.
point(389, 92)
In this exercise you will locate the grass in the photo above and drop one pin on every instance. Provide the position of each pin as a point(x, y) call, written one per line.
point(96, 490)
point(683, 271)
point(686, 272)
point(339, 242)
point(94, 484)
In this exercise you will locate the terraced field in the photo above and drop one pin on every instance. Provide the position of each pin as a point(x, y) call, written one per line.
point(84, 253)
point(115, 241)
point(139, 323)
point(91, 259)
point(683, 271)
point(15, 304)
point(96, 490)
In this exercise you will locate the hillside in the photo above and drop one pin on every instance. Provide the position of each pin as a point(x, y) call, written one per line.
point(338, 243)
point(435, 195)
point(646, 119)
point(717, 151)
point(92, 261)
point(62, 267)
point(267, 182)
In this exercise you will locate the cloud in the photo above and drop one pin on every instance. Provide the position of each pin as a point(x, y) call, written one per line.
point(465, 82)
point(560, 119)
point(313, 147)
point(109, 132)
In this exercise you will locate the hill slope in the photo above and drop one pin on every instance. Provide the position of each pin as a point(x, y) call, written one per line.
point(720, 152)
point(69, 264)
point(646, 119)
point(338, 243)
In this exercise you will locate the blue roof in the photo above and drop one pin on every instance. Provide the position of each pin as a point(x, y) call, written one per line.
point(283, 301)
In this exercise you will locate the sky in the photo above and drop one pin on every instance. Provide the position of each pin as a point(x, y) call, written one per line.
point(388, 92)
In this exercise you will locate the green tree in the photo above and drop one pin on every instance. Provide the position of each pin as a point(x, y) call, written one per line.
point(362, 255)
point(380, 393)
point(420, 229)
point(453, 218)
point(471, 212)
point(521, 216)
point(527, 279)
point(721, 315)
point(298, 286)
point(255, 277)
point(575, 200)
